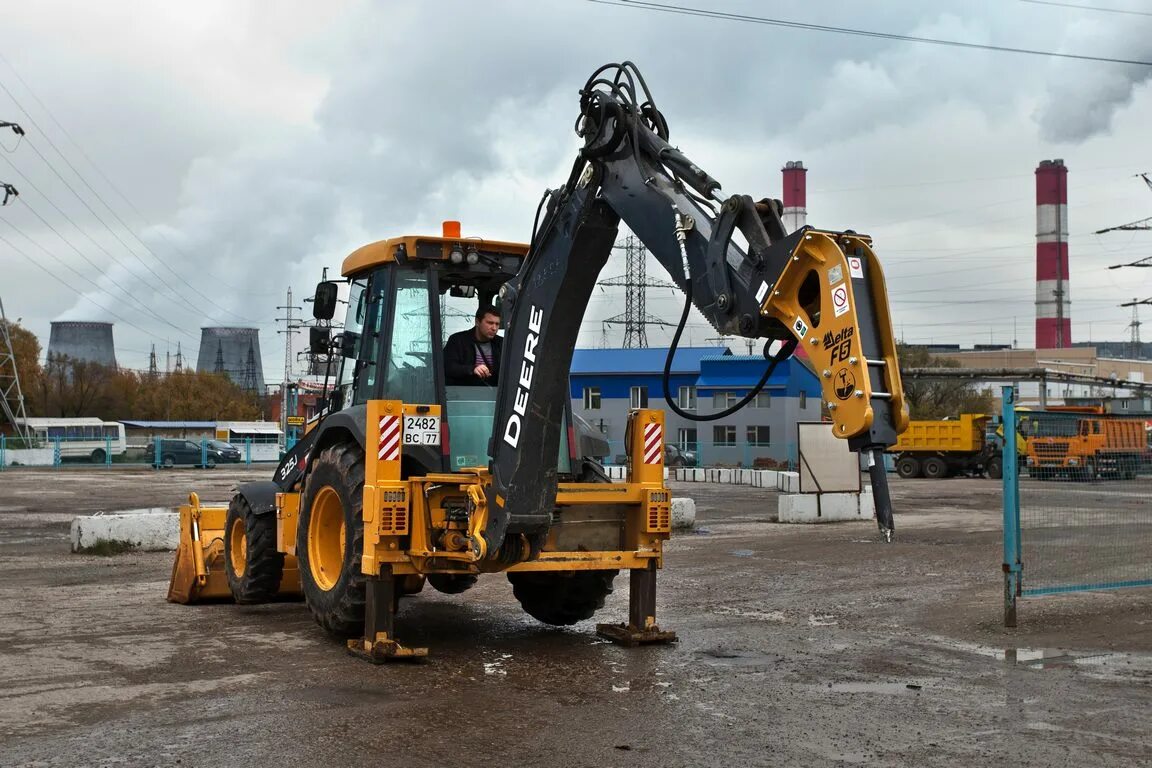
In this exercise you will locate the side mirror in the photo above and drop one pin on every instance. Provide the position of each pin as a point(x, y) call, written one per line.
point(319, 340)
point(348, 344)
point(324, 303)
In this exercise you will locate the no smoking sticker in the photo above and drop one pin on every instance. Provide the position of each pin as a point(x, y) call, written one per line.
point(839, 300)
point(855, 267)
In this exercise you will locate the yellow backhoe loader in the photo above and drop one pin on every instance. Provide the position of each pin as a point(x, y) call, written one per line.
point(414, 475)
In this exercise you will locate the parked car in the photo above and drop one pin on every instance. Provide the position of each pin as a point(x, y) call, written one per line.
point(224, 453)
point(175, 451)
point(674, 456)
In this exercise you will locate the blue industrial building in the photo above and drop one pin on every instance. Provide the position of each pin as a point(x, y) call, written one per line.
point(606, 384)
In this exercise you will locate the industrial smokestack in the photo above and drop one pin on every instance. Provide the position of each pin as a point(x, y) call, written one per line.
point(795, 195)
point(234, 352)
point(86, 341)
point(1053, 300)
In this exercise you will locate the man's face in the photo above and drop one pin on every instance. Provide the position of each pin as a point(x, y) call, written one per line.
point(487, 327)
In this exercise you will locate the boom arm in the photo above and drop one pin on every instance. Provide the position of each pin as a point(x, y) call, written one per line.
point(825, 290)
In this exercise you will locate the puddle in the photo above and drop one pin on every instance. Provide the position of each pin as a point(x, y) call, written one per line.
point(1110, 664)
point(742, 553)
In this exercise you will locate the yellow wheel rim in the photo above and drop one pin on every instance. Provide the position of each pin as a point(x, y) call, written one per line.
point(326, 538)
point(238, 551)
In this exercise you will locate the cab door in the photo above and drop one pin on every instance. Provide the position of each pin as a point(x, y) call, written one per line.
point(398, 359)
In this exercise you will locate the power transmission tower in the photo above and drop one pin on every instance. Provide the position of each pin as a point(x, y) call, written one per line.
point(291, 325)
point(179, 359)
point(248, 382)
point(153, 369)
point(635, 281)
point(1136, 346)
point(11, 397)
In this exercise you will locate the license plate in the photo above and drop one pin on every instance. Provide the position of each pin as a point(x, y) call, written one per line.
point(422, 430)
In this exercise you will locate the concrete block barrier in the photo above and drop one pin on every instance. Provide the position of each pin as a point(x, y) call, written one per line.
point(819, 507)
point(788, 482)
point(152, 530)
point(683, 513)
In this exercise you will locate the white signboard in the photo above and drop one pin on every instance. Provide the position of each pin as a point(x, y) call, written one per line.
point(826, 464)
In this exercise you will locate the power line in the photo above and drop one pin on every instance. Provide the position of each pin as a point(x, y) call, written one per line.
point(1079, 7)
point(60, 280)
point(93, 191)
point(140, 304)
point(162, 283)
point(685, 10)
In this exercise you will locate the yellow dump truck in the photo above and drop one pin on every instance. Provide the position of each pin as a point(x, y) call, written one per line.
point(961, 446)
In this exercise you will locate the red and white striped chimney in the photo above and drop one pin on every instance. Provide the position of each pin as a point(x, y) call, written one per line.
point(795, 195)
point(1053, 303)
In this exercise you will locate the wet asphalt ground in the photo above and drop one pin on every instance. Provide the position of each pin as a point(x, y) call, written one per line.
point(799, 646)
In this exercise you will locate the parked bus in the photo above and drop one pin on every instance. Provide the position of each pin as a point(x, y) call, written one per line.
point(88, 438)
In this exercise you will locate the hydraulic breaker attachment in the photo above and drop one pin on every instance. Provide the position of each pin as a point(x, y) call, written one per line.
point(198, 573)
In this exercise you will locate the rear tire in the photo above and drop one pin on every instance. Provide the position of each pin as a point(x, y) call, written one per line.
point(99, 456)
point(452, 583)
point(330, 540)
point(935, 468)
point(995, 469)
point(253, 564)
point(908, 467)
point(562, 598)
point(169, 462)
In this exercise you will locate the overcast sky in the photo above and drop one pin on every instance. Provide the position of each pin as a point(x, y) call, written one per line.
point(187, 163)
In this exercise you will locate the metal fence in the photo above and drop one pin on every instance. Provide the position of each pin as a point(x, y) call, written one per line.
point(64, 452)
point(1077, 502)
point(738, 455)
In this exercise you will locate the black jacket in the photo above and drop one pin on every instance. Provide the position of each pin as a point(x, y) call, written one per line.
point(460, 360)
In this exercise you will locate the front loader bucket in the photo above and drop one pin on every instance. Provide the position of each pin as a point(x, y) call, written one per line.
point(198, 573)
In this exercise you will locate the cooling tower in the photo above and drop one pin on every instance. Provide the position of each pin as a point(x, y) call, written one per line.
point(235, 352)
point(88, 341)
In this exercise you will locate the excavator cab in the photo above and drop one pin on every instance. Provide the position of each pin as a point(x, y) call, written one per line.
point(406, 296)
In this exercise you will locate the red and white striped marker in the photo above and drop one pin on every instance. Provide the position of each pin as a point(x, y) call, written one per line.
point(389, 438)
point(653, 444)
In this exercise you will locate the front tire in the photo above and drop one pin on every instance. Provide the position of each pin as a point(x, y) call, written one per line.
point(253, 564)
point(330, 540)
point(99, 456)
point(562, 598)
point(908, 467)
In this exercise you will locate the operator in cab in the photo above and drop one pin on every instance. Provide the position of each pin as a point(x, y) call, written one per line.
point(472, 357)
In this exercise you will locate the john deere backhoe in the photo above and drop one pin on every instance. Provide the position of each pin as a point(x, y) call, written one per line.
point(405, 481)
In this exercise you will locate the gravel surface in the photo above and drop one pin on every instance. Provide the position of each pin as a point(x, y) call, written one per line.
point(799, 646)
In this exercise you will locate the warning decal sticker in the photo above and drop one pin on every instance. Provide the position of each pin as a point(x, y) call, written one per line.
point(840, 300)
point(855, 266)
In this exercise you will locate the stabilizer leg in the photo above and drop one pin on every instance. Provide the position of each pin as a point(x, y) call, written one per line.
point(641, 628)
point(378, 644)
